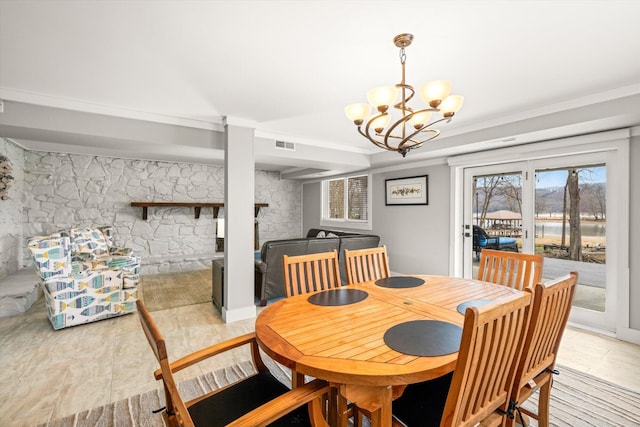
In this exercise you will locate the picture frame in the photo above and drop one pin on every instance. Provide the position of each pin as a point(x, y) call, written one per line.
point(412, 190)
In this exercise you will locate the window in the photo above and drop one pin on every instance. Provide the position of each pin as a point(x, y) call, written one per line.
point(346, 202)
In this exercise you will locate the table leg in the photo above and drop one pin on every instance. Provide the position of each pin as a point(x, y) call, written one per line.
point(342, 409)
point(375, 399)
point(297, 380)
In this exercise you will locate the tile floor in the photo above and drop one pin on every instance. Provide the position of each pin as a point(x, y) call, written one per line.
point(49, 374)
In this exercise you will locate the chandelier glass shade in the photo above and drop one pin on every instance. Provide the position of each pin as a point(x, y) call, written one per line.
point(410, 127)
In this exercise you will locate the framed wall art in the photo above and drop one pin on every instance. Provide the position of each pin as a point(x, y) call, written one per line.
point(407, 191)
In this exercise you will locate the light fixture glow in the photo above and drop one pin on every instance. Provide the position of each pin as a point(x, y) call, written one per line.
point(434, 92)
point(382, 97)
point(410, 128)
point(357, 112)
point(380, 122)
point(451, 105)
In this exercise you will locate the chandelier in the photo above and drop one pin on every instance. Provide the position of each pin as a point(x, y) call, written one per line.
point(413, 127)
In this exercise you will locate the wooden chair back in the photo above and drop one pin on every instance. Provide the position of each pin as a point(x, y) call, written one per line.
point(311, 272)
point(368, 264)
point(176, 410)
point(549, 314)
point(512, 269)
point(265, 399)
point(491, 345)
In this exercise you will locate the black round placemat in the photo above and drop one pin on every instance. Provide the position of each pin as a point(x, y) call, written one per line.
point(475, 303)
point(338, 297)
point(399, 282)
point(424, 338)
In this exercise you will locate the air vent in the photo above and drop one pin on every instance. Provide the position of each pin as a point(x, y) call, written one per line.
point(285, 145)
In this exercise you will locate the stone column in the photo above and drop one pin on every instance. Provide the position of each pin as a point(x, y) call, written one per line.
point(239, 173)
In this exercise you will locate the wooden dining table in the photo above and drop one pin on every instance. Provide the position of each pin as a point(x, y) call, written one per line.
point(345, 344)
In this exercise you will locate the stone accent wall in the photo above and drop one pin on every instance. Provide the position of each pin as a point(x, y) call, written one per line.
point(283, 218)
point(67, 190)
point(11, 248)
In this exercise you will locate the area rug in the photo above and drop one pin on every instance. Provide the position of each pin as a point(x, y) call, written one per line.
point(170, 290)
point(577, 399)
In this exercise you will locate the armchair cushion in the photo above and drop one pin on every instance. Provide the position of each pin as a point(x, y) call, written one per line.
point(82, 278)
point(107, 232)
point(88, 241)
point(93, 242)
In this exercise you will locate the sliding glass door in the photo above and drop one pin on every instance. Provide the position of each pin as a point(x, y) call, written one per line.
point(556, 207)
point(571, 225)
point(496, 217)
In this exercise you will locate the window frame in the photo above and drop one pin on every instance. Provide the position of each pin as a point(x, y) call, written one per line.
point(326, 221)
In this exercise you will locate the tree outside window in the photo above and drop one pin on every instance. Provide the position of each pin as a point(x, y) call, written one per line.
point(347, 198)
point(336, 199)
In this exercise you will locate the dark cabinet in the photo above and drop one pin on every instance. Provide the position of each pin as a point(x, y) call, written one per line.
point(217, 283)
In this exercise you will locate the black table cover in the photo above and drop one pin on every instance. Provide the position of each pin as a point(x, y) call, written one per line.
point(424, 338)
point(335, 297)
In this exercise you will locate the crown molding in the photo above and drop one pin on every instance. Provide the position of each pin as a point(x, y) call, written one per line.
point(108, 110)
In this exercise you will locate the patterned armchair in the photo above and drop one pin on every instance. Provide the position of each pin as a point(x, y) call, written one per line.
point(84, 277)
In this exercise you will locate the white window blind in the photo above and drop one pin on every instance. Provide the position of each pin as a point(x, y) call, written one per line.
point(346, 202)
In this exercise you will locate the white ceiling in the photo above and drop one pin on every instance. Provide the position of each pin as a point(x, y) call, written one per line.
point(289, 67)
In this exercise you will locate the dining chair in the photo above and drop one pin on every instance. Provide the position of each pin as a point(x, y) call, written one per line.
point(512, 269)
point(257, 400)
point(549, 314)
point(478, 390)
point(311, 272)
point(364, 265)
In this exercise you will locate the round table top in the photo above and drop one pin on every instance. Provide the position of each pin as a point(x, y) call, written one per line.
point(345, 343)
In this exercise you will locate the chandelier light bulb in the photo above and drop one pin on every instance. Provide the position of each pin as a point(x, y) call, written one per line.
point(434, 92)
point(357, 112)
point(451, 105)
point(419, 119)
point(382, 97)
point(380, 123)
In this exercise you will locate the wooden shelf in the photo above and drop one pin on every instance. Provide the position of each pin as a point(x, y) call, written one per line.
point(196, 205)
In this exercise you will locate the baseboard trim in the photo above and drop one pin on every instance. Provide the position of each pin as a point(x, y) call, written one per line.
point(237, 314)
point(629, 335)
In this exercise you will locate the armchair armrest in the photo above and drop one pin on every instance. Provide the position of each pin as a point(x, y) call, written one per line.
point(260, 281)
point(205, 353)
point(281, 405)
point(51, 256)
point(260, 265)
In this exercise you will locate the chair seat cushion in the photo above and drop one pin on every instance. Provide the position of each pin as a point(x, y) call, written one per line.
point(422, 404)
point(232, 403)
point(483, 241)
point(506, 240)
